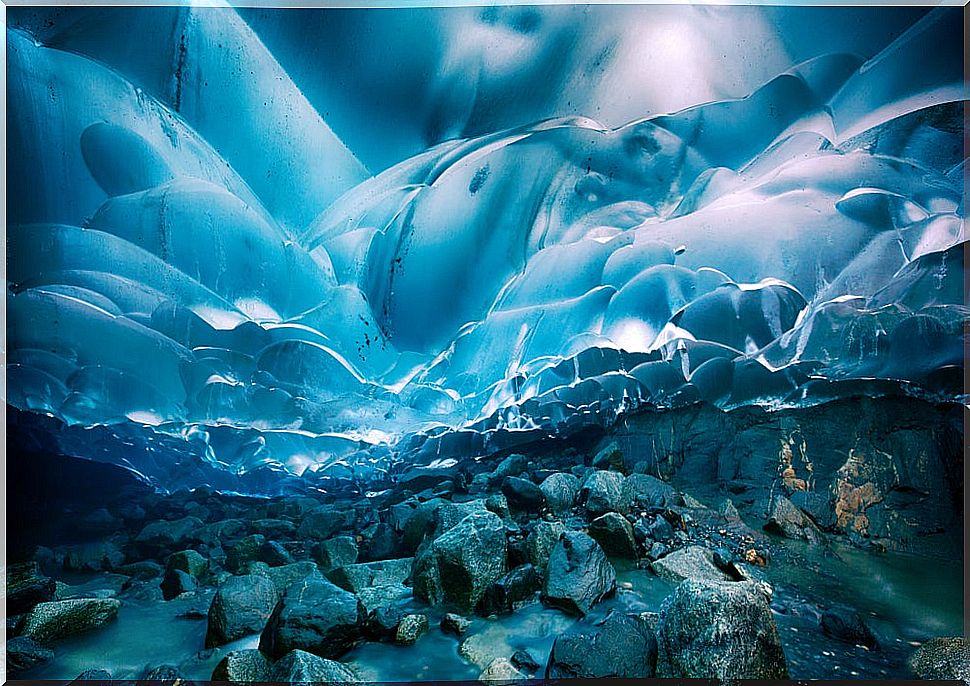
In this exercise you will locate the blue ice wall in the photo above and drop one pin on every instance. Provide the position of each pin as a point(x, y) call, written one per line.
point(300, 241)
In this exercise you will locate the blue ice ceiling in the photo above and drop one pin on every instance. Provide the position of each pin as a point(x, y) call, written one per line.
point(251, 242)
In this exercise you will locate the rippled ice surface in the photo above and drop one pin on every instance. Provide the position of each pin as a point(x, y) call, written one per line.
point(224, 259)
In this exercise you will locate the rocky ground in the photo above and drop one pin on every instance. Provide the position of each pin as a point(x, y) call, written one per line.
point(555, 564)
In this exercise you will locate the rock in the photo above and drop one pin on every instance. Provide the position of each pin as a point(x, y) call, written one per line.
point(693, 562)
point(498, 504)
point(318, 617)
point(845, 624)
point(141, 570)
point(239, 608)
point(820, 507)
point(287, 575)
point(56, 619)
point(513, 465)
point(459, 565)
point(383, 608)
point(523, 660)
point(728, 510)
point(188, 561)
point(657, 551)
point(24, 653)
point(602, 492)
point(320, 524)
point(621, 646)
point(167, 534)
point(26, 587)
point(335, 552)
point(454, 624)
point(175, 583)
point(578, 574)
point(364, 575)
point(97, 522)
point(300, 666)
point(615, 535)
point(242, 666)
point(449, 514)
point(93, 557)
point(243, 552)
point(163, 673)
point(643, 491)
point(411, 628)
point(942, 659)
point(787, 520)
point(274, 554)
point(523, 495)
point(501, 671)
point(94, 675)
point(541, 541)
point(516, 587)
point(661, 530)
point(380, 543)
point(416, 520)
point(276, 528)
point(718, 630)
point(610, 457)
point(560, 490)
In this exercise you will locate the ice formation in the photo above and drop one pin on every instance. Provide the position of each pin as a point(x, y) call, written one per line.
point(205, 284)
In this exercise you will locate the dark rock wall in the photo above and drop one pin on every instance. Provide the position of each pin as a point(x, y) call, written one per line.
point(888, 471)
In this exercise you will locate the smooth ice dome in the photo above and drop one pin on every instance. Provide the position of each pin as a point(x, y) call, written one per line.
point(208, 281)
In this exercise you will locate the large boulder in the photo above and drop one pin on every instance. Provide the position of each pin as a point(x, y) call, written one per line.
point(522, 495)
point(541, 541)
point(26, 587)
point(621, 646)
point(239, 608)
point(501, 672)
point(357, 577)
point(189, 561)
point(24, 653)
point(693, 562)
point(787, 520)
point(316, 616)
point(943, 659)
point(300, 666)
point(719, 630)
point(175, 583)
point(615, 535)
point(242, 666)
point(285, 576)
point(560, 490)
point(846, 624)
point(167, 535)
point(458, 566)
point(62, 618)
point(335, 552)
point(322, 523)
point(602, 492)
point(516, 587)
point(578, 574)
point(643, 491)
point(93, 557)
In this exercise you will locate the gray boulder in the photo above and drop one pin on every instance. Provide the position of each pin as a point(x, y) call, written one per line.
point(621, 646)
point(316, 616)
point(541, 541)
point(335, 552)
point(787, 520)
point(302, 667)
point(189, 561)
point(643, 491)
point(693, 562)
point(357, 577)
point(522, 495)
point(846, 624)
point(240, 608)
point(602, 492)
point(615, 535)
point(168, 534)
point(26, 587)
point(560, 490)
point(578, 574)
point(411, 628)
point(719, 630)
point(62, 618)
point(501, 671)
point(942, 659)
point(24, 653)
point(242, 666)
point(458, 566)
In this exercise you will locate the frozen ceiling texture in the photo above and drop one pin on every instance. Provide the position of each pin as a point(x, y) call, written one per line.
point(246, 244)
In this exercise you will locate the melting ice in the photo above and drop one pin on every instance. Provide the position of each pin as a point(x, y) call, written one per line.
point(213, 279)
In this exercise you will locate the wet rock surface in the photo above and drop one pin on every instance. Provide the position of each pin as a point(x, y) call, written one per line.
point(504, 573)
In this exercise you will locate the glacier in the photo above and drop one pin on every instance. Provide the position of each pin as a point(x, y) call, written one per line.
point(239, 256)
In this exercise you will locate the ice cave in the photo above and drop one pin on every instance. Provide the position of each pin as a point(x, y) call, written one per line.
point(433, 343)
